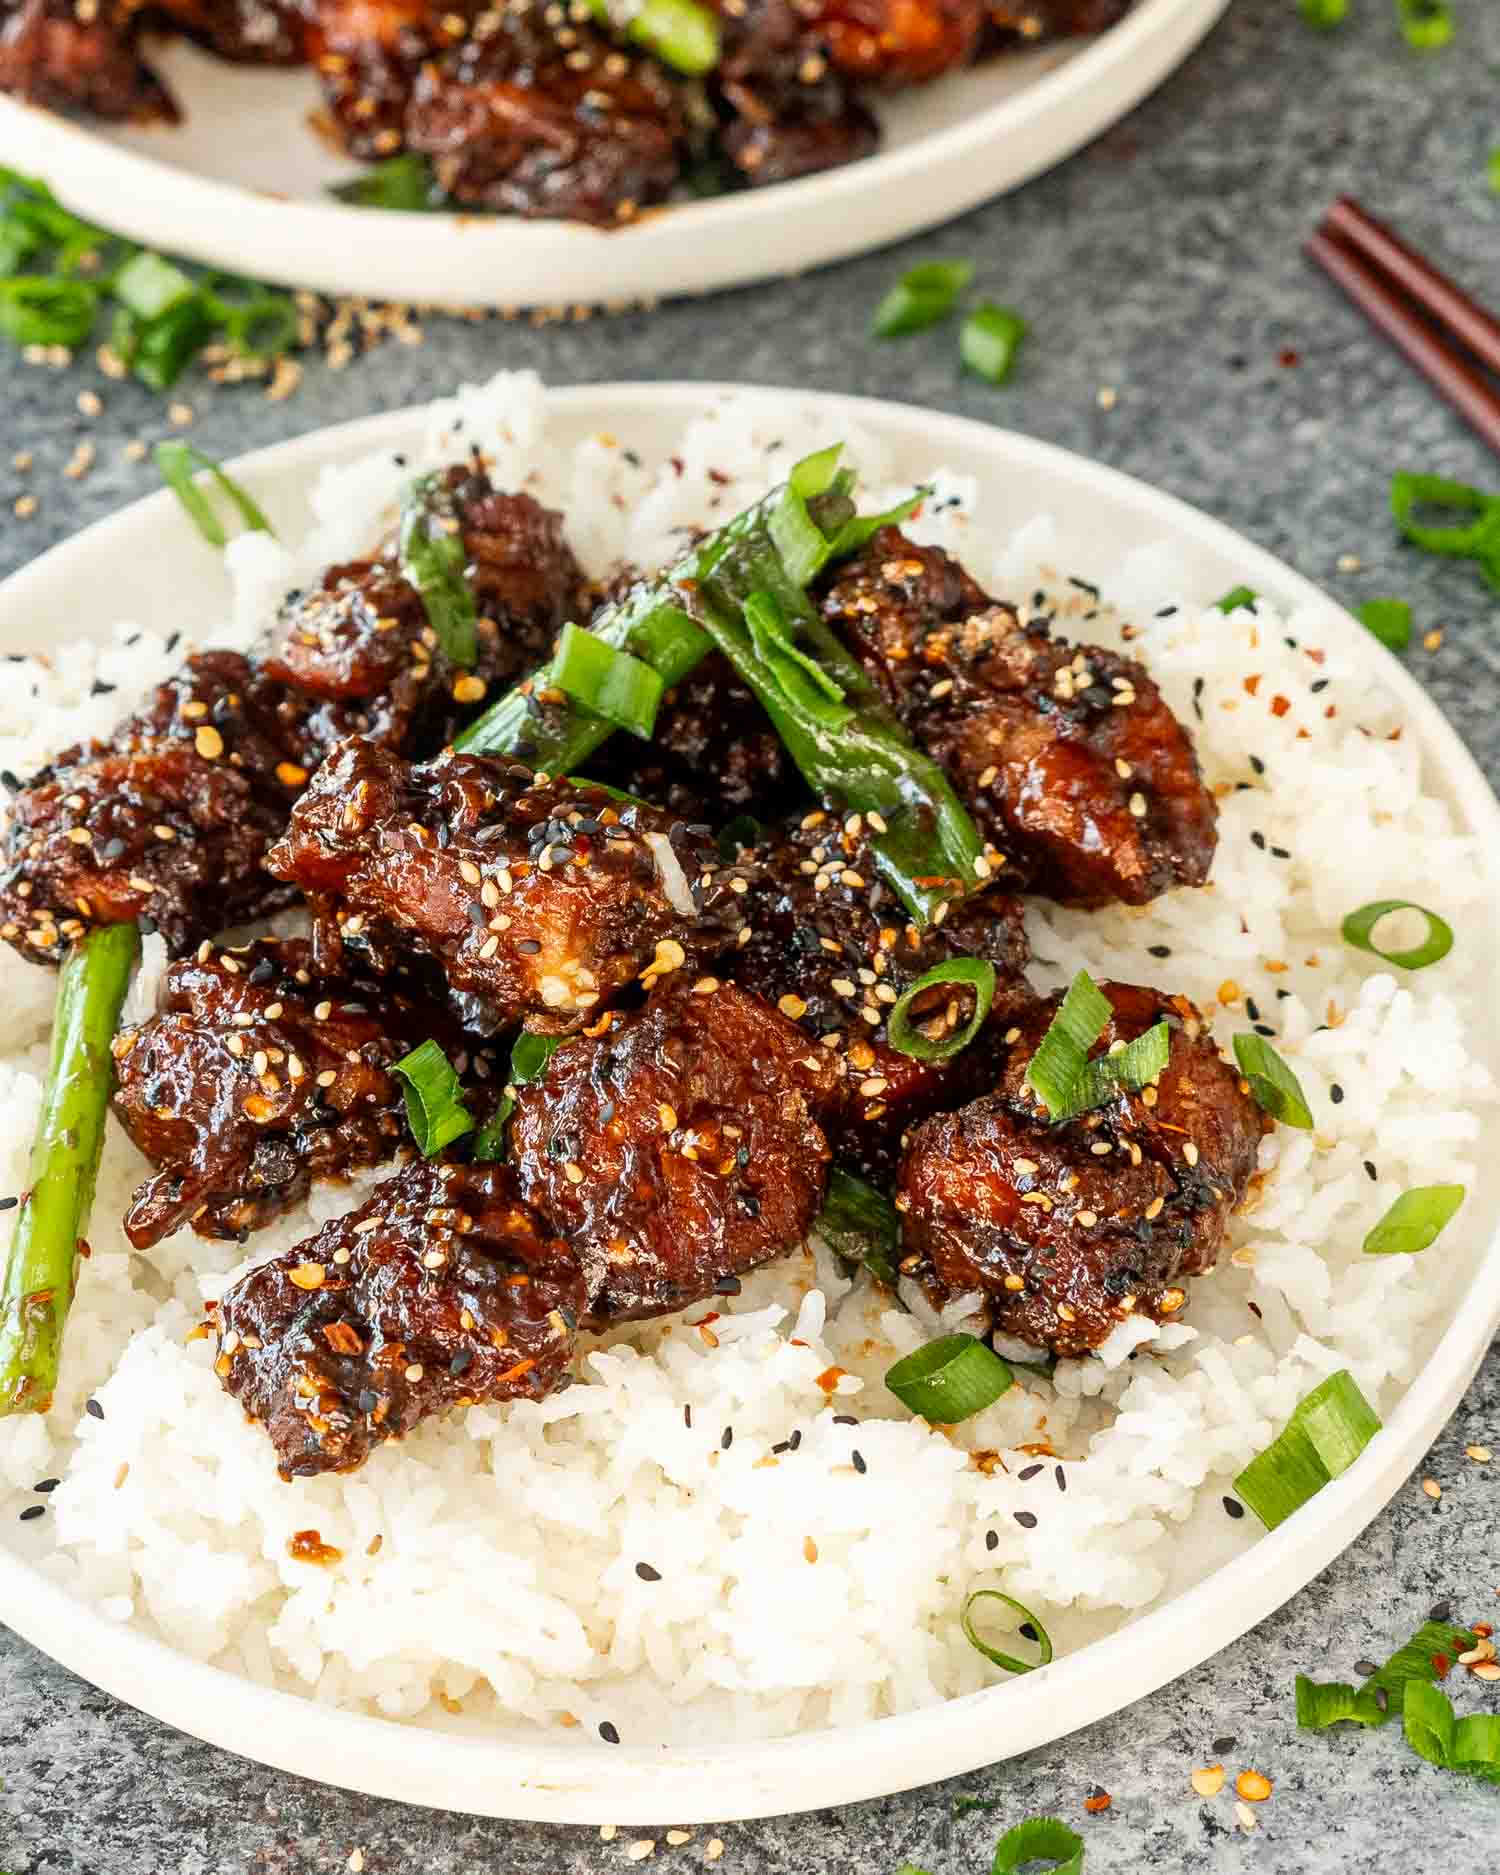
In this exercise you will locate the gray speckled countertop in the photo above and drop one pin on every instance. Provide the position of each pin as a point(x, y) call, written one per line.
point(1162, 261)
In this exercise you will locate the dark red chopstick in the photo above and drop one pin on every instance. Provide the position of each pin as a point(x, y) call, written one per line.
point(1415, 306)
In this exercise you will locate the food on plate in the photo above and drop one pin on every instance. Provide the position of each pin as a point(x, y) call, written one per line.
point(646, 1133)
point(592, 112)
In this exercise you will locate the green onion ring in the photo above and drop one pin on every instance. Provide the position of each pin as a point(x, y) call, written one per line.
point(1416, 1220)
point(950, 1379)
point(36, 309)
point(1358, 929)
point(1275, 1088)
point(1038, 1838)
point(907, 1039)
point(434, 1099)
point(993, 1654)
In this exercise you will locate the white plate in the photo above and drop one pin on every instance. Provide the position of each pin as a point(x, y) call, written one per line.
point(147, 564)
point(239, 185)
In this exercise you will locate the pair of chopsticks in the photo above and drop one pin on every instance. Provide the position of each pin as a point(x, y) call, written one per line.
point(1418, 308)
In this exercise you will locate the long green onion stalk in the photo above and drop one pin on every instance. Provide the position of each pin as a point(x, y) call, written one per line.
point(36, 1287)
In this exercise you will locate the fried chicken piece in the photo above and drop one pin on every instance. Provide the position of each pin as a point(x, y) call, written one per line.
point(898, 42)
point(257, 1078)
point(1067, 1230)
point(679, 1148)
point(367, 54)
point(441, 1291)
point(834, 949)
point(1067, 756)
point(539, 900)
point(787, 112)
point(247, 32)
point(529, 120)
point(1009, 24)
point(51, 55)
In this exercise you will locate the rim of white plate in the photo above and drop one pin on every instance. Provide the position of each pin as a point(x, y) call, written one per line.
point(824, 218)
point(810, 1770)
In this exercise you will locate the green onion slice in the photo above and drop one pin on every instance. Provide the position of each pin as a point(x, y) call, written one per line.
point(801, 678)
point(177, 463)
point(993, 1654)
point(434, 1099)
point(1358, 929)
point(1470, 1745)
point(1272, 1083)
point(37, 309)
point(1382, 1694)
point(860, 1225)
point(1039, 1838)
point(1426, 25)
point(681, 33)
point(1062, 1054)
point(1492, 169)
point(920, 298)
point(1132, 1066)
point(989, 341)
point(1417, 1219)
point(405, 183)
point(433, 561)
point(902, 1031)
point(148, 286)
point(1328, 1703)
point(1324, 14)
point(1323, 1437)
point(1473, 539)
point(1389, 620)
point(1236, 599)
point(621, 688)
point(948, 1380)
point(529, 1056)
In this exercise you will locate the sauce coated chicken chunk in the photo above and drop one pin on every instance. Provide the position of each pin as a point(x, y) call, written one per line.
point(441, 1291)
point(256, 1079)
point(679, 1148)
point(1068, 757)
point(1067, 1230)
point(539, 900)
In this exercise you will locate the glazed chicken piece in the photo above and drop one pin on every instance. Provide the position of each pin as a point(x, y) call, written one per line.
point(248, 32)
point(898, 42)
point(367, 54)
point(834, 949)
point(1068, 757)
point(169, 821)
point(533, 118)
point(539, 900)
point(1067, 1230)
point(441, 1291)
point(51, 55)
point(787, 111)
point(679, 1148)
point(1012, 23)
point(257, 1078)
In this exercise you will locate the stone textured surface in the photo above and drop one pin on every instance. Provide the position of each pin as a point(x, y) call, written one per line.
point(1163, 262)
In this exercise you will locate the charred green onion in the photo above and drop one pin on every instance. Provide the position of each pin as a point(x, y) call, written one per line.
point(1416, 1220)
point(432, 560)
point(435, 1106)
point(1359, 928)
point(990, 340)
point(860, 1225)
point(920, 298)
point(1276, 1090)
point(1325, 1434)
point(37, 1284)
point(1039, 1839)
point(968, 973)
point(178, 463)
point(993, 1654)
point(949, 1379)
point(622, 689)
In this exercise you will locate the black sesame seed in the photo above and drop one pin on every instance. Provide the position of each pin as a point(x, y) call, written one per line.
point(1027, 1632)
point(1234, 1507)
point(1026, 1518)
point(857, 1458)
point(1335, 1093)
point(528, 947)
point(1030, 1472)
point(148, 926)
point(1321, 684)
point(1061, 1477)
point(782, 1445)
point(1364, 1668)
point(1167, 611)
point(9, 1204)
point(647, 1573)
point(1264, 1028)
point(1222, 1746)
point(33, 1510)
point(9, 781)
point(1370, 1169)
point(992, 1539)
point(1160, 950)
point(93, 1409)
point(461, 1362)
point(1251, 1009)
point(368, 1401)
point(687, 1416)
point(47, 1484)
point(1257, 764)
point(728, 1286)
point(608, 1733)
point(726, 1438)
point(1441, 1611)
point(1382, 1698)
point(845, 1419)
point(1280, 852)
point(796, 1439)
point(1258, 840)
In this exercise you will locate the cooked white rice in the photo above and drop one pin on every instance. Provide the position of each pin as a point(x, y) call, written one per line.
point(488, 1574)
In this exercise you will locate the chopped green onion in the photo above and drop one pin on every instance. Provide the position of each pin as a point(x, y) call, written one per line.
point(164, 348)
point(261, 325)
point(1470, 1745)
point(1426, 25)
point(403, 182)
point(1382, 1694)
point(148, 286)
point(989, 340)
point(529, 1056)
point(802, 678)
point(624, 690)
point(1039, 1838)
point(177, 463)
point(1358, 929)
point(904, 1035)
point(1389, 620)
point(1238, 598)
point(434, 1099)
point(1417, 1219)
point(1477, 540)
point(1275, 1088)
point(1329, 1703)
point(1062, 1054)
point(1492, 169)
point(962, 1805)
point(1324, 14)
point(1132, 1066)
point(920, 298)
point(36, 309)
point(993, 1654)
point(1326, 1433)
point(860, 1225)
point(615, 794)
point(433, 559)
point(950, 1379)
point(680, 33)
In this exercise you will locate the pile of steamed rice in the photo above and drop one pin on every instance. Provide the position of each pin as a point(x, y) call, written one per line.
point(490, 1566)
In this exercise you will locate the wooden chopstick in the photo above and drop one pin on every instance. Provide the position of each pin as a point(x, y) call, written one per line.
point(1400, 293)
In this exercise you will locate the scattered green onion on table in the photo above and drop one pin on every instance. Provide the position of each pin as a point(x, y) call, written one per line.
point(920, 298)
point(1039, 1839)
point(1381, 1695)
point(1475, 535)
point(1389, 620)
point(990, 341)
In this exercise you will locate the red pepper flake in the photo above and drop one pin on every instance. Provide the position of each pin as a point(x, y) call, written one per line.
point(1280, 706)
point(308, 1546)
point(830, 1377)
point(1288, 358)
point(1318, 657)
point(1098, 1803)
point(1252, 684)
point(1483, 1630)
point(1441, 1665)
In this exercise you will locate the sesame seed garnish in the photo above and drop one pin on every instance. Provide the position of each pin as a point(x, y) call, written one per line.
point(608, 1733)
point(209, 743)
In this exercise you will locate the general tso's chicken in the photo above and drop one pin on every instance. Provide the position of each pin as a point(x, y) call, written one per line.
point(834, 949)
point(538, 900)
point(53, 54)
point(898, 42)
point(537, 117)
point(1066, 1230)
point(248, 32)
point(169, 821)
point(367, 54)
point(441, 1291)
point(1012, 23)
point(787, 111)
point(1068, 757)
point(679, 1148)
point(256, 1079)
